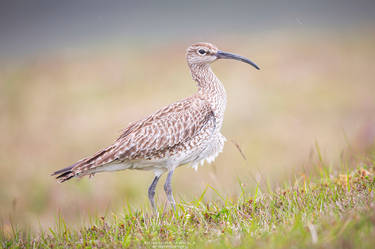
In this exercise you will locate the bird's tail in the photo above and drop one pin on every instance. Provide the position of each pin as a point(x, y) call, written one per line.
point(65, 173)
point(82, 167)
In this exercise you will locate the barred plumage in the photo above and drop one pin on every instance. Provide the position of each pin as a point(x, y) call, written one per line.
point(187, 131)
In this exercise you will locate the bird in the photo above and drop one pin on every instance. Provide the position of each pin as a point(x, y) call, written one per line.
point(185, 132)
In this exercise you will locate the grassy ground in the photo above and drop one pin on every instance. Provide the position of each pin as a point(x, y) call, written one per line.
point(314, 88)
point(333, 210)
point(61, 107)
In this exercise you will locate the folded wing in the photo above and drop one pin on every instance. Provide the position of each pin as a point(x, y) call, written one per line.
point(151, 137)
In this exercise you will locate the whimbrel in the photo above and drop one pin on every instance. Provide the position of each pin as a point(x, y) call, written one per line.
point(185, 132)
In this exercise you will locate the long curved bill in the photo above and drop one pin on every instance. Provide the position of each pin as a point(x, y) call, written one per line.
point(225, 55)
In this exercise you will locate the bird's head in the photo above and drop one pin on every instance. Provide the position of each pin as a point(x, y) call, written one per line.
point(202, 53)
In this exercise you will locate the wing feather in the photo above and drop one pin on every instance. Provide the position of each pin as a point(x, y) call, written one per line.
point(164, 129)
point(152, 136)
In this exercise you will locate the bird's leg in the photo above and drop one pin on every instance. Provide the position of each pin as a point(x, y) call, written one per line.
point(168, 189)
point(151, 192)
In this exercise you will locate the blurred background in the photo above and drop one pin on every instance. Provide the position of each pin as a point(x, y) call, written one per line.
point(74, 73)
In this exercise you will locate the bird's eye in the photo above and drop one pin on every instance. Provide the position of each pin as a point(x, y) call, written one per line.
point(202, 51)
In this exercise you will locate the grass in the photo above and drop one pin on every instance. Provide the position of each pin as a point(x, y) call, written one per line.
point(52, 110)
point(314, 87)
point(329, 211)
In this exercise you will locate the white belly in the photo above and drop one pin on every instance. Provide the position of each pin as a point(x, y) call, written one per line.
point(210, 152)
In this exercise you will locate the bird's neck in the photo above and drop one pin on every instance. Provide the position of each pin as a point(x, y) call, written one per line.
point(210, 88)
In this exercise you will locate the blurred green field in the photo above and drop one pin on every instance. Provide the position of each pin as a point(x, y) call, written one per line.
point(314, 90)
